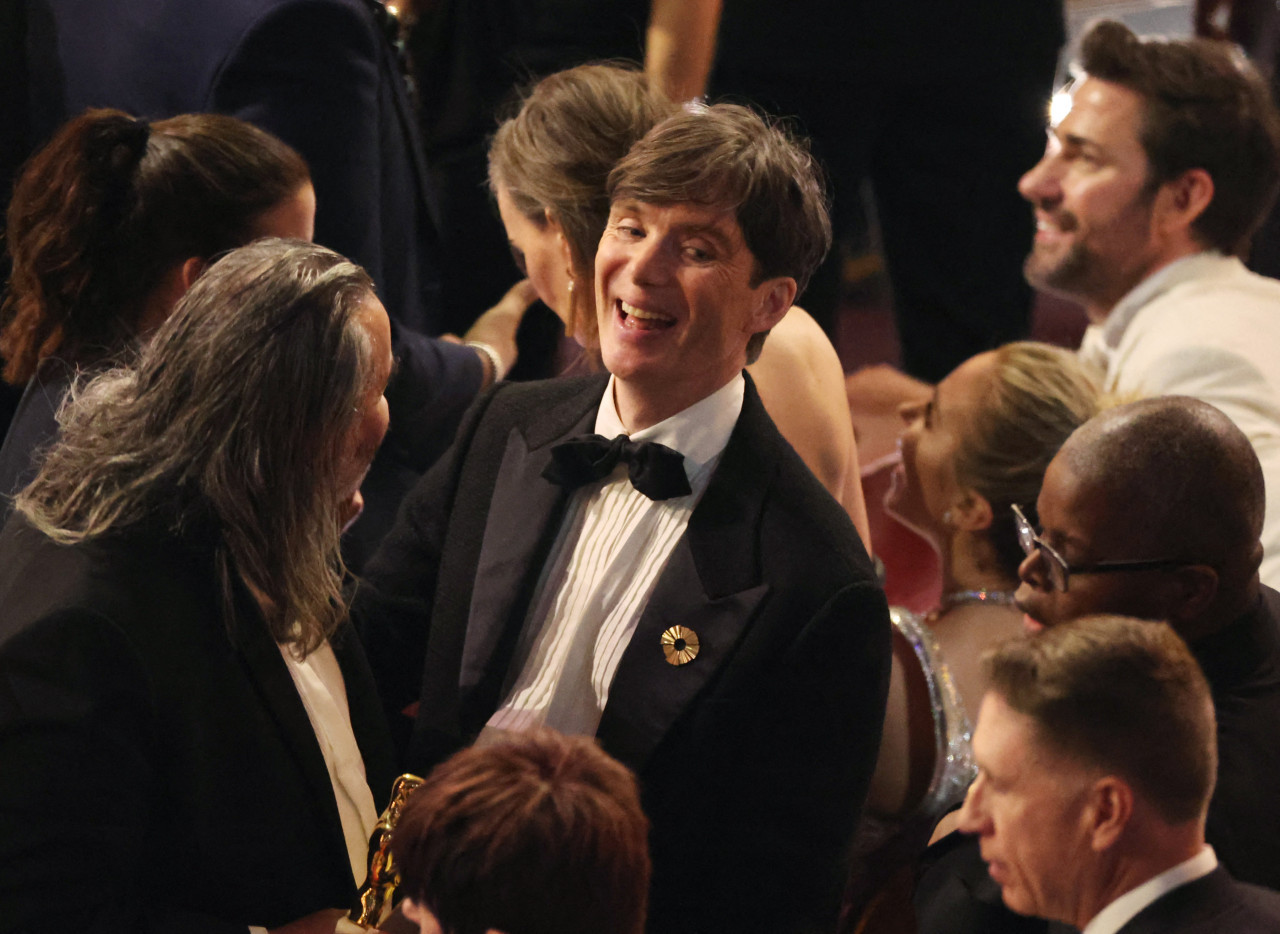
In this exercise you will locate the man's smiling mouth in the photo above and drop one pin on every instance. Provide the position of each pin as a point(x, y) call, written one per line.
point(642, 319)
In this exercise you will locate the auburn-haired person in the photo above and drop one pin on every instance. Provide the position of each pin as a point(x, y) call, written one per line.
point(538, 834)
point(112, 207)
point(110, 223)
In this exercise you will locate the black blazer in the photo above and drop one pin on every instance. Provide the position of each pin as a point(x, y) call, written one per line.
point(159, 774)
point(1213, 904)
point(754, 758)
point(955, 894)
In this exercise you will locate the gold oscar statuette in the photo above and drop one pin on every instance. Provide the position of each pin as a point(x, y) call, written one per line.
point(374, 900)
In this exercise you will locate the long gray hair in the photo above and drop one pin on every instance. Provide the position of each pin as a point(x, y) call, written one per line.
point(234, 414)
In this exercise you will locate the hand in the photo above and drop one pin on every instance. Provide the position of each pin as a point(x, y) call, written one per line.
point(321, 922)
point(497, 326)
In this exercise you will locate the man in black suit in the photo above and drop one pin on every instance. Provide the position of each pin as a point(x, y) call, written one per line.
point(714, 620)
point(1172, 484)
point(190, 733)
point(1095, 746)
point(1154, 510)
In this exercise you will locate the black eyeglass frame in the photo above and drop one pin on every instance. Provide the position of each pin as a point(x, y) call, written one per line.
point(1060, 571)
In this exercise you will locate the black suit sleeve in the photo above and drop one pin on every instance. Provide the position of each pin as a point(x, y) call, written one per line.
point(393, 602)
point(78, 785)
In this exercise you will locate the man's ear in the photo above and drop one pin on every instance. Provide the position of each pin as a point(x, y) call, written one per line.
point(972, 513)
point(1108, 811)
point(1181, 200)
point(776, 298)
point(192, 268)
point(1194, 588)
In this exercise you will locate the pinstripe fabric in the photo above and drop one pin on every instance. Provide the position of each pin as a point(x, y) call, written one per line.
point(611, 548)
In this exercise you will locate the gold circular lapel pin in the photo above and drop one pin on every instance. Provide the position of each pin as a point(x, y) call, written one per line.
point(680, 645)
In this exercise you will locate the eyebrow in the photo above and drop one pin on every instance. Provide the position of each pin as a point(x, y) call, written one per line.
point(1061, 541)
point(712, 232)
point(1077, 141)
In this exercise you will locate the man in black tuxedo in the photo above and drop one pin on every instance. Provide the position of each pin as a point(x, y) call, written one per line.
point(1096, 750)
point(713, 620)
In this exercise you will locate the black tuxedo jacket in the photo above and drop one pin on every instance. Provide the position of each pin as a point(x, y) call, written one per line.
point(1214, 904)
point(754, 758)
point(158, 774)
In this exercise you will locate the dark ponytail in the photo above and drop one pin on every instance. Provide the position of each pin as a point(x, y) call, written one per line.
point(109, 206)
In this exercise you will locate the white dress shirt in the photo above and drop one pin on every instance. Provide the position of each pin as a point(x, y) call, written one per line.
point(324, 694)
point(318, 680)
point(1121, 911)
point(611, 548)
point(1205, 327)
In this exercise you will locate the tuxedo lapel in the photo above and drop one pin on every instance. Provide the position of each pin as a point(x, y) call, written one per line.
point(270, 676)
point(523, 520)
point(711, 584)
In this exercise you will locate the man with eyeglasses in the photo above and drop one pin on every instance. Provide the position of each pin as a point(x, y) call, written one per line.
point(1154, 510)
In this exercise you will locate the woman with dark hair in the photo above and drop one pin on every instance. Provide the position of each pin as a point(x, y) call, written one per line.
point(110, 223)
point(549, 167)
point(190, 734)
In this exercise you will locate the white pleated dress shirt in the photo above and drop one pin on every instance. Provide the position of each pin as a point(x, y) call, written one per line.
point(612, 546)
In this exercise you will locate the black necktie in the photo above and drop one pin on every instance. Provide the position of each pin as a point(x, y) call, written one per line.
point(655, 470)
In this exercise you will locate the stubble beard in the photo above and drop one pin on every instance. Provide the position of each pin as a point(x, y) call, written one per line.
point(1069, 275)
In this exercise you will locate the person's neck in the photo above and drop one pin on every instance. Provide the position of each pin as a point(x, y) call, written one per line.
point(1156, 849)
point(969, 563)
point(1099, 308)
point(639, 407)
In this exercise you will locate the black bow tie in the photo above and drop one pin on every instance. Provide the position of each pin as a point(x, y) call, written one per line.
point(655, 470)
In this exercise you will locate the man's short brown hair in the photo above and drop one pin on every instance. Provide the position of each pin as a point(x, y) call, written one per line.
point(1205, 107)
point(1121, 695)
point(729, 156)
point(540, 834)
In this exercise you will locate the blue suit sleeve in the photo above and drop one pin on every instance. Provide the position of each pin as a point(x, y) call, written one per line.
point(309, 71)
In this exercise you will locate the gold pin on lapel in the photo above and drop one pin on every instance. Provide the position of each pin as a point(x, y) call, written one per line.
point(680, 645)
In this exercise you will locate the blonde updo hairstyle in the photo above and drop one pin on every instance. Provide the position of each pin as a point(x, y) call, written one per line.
point(554, 157)
point(1037, 396)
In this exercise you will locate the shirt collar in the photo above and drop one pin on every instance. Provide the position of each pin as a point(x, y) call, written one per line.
point(699, 432)
point(1116, 915)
